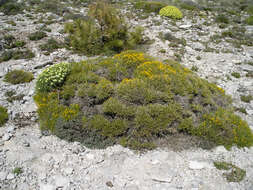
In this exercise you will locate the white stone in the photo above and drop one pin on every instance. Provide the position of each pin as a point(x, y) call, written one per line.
point(194, 165)
point(68, 171)
point(90, 156)
point(10, 176)
point(220, 149)
point(46, 187)
point(61, 181)
point(6, 137)
point(3, 176)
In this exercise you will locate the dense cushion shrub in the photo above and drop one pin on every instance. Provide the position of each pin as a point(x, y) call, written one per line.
point(172, 12)
point(10, 7)
point(18, 76)
point(3, 116)
point(52, 77)
point(134, 100)
point(249, 20)
point(104, 32)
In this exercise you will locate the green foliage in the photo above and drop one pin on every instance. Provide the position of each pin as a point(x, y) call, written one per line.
point(11, 7)
point(16, 54)
point(171, 12)
point(236, 174)
point(11, 96)
point(105, 32)
point(17, 170)
point(3, 116)
point(246, 98)
point(249, 20)
point(50, 46)
point(135, 101)
point(149, 6)
point(222, 19)
point(236, 74)
point(224, 128)
point(18, 76)
point(10, 42)
point(52, 77)
point(37, 35)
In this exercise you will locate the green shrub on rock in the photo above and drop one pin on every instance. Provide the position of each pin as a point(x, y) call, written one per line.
point(136, 101)
point(18, 76)
point(249, 20)
point(104, 32)
point(3, 116)
point(52, 77)
point(171, 12)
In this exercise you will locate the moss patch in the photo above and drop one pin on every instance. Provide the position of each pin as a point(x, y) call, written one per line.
point(18, 76)
point(134, 100)
point(3, 116)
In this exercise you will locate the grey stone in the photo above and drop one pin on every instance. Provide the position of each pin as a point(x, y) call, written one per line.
point(185, 26)
point(10, 176)
point(3, 176)
point(6, 137)
point(61, 181)
point(68, 171)
point(195, 165)
point(46, 187)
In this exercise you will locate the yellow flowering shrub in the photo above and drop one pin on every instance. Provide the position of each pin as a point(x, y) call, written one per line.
point(172, 12)
point(134, 100)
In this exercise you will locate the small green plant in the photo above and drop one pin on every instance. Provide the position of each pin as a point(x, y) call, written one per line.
point(171, 12)
point(18, 76)
point(236, 74)
point(242, 110)
point(50, 46)
point(249, 20)
point(149, 6)
point(52, 77)
point(11, 96)
point(236, 174)
point(222, 19)
point(37, 35)
point(194, 68)
point(247, 98)
point(198, 57)
point(3, 116)
point(17, 171)
point(11, 7)
point(16, 54)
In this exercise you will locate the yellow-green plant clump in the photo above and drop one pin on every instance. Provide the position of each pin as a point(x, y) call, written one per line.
point(172, 12)
point(134, 100)
point(3, 116)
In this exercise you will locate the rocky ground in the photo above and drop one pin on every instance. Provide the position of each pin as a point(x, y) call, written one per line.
point(31, 160)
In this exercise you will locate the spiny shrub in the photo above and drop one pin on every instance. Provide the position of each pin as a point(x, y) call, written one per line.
point(52, 77)
point(134, 100)
point(172, 12)
point(222, 19)
point(3, 116)
point(16, 54)
point(149, 6)
point(105, 32)
point(18, 76)
point(37, 35)
point(11, 42)
point(10, 7)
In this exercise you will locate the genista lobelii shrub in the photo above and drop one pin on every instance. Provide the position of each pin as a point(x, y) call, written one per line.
point(105, 31)
point(3, 116)
point(134, 100)
point(18, 77)
point(172, 12)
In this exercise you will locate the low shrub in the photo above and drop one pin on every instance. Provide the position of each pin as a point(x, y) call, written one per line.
point(105, 32)
point(50, 46)
point(11, 7)
point(18, 77)
point(136, 101)
point(3, 116)
point(16, 54)
point(11, 42)
point(171, 12)
point(37, 35)
point(149, 6)
point(246, 98)
point(222, 19)
point(52, 77)
point(236, 74)
point(249, 20)
point(11, 96)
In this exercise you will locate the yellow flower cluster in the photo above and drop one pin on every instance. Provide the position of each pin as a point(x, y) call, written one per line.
point(70, 112)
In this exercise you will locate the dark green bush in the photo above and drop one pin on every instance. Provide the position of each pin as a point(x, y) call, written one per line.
point(3, 116)
point(247, 98)
point(50, 46)
point(16, 54)
point(37, 35)
point(249, 20)
point(11, 7)
point(110, 34)
point(11, 42)
point(18, 76)
point(136, 101)
point(222, 19)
